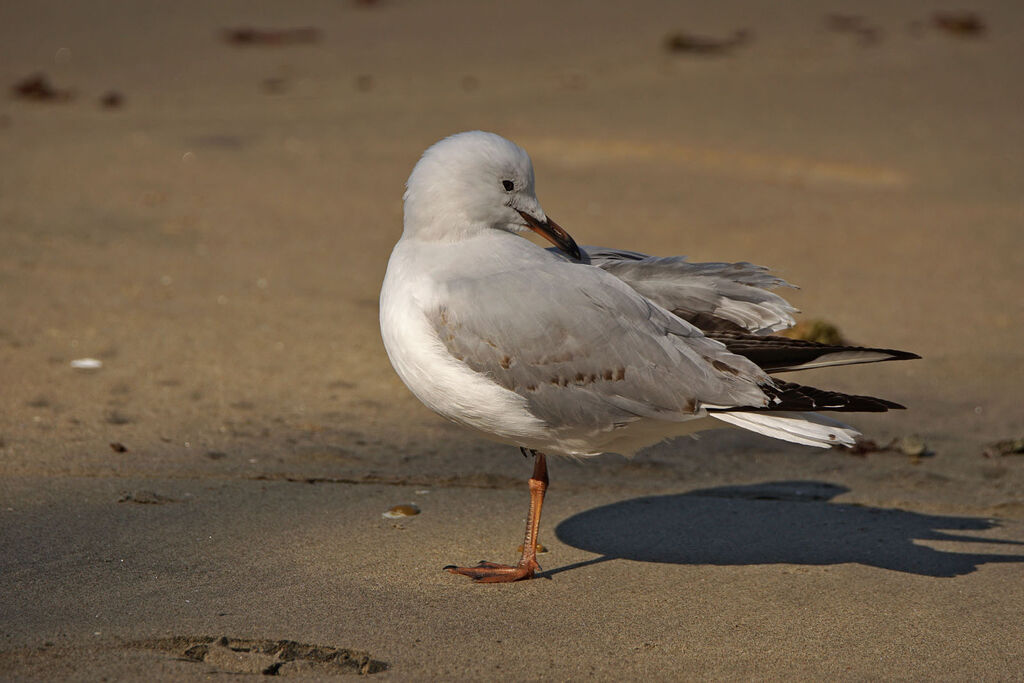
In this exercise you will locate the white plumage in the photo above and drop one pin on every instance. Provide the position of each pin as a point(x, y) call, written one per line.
point(569, 356)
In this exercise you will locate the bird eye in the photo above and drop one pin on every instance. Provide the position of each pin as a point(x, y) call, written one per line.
point(508, 185)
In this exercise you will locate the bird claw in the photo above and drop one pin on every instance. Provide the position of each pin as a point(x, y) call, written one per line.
point(491, 572)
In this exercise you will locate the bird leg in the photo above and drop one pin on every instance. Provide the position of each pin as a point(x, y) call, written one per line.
point(489, 572)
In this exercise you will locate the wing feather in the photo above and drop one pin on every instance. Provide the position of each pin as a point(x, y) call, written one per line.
point(712, 296)
point(587, 351)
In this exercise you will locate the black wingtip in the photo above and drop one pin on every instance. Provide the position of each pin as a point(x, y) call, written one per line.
point(791, 396)
point(774, 353)
point(889, 405)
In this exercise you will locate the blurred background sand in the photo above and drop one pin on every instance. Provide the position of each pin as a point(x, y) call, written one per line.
point(216, 234)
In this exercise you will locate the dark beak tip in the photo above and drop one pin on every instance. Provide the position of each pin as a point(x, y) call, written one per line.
point(554, 233)
point(564, 240)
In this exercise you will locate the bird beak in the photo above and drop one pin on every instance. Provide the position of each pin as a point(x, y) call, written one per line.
point(552, 232)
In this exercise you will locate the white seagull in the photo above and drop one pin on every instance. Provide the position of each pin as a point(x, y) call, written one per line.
point(579, 351)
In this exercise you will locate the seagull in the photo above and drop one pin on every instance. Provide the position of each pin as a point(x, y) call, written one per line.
point(577, 351)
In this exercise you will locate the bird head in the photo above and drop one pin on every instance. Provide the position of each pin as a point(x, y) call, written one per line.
point(473, 182)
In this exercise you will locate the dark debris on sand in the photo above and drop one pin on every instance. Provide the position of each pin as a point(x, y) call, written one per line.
point(111, 99)
point(245, 36)
point(863, 31)
point(37, 88)
point(960, 24)
point(267, 657)
point(681, 42)
point(145, 498)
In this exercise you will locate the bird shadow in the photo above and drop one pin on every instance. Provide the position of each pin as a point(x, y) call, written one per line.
point(790, 522)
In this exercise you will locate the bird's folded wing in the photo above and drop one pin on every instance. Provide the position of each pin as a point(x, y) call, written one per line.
point(585, 349)
point(712, 296)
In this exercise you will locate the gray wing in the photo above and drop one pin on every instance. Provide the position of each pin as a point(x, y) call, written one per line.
point(729, 297)
point(586, 351)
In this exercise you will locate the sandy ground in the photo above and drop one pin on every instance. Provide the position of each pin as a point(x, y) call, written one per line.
point(218, 242)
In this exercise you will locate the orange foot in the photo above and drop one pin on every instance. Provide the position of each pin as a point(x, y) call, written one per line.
point(489, 572)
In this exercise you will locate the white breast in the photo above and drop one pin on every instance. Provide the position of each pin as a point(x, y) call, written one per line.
point(441, 382)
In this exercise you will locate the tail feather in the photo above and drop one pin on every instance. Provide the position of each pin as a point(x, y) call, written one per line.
point(809, 429)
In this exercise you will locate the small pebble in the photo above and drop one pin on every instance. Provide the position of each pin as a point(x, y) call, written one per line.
point(540, 549)
point(406, 510)
point(820, 331)
point(1005, 447)
point(87, 364)
point(913, 446)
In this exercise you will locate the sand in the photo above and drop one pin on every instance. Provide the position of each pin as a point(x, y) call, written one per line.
point(210, 499)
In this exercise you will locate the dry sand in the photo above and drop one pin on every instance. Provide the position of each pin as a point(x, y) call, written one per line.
point(218, 242)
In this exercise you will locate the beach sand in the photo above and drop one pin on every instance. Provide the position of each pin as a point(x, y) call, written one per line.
point(215, 235)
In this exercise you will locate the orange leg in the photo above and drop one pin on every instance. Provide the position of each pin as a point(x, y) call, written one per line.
point(489, 572)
